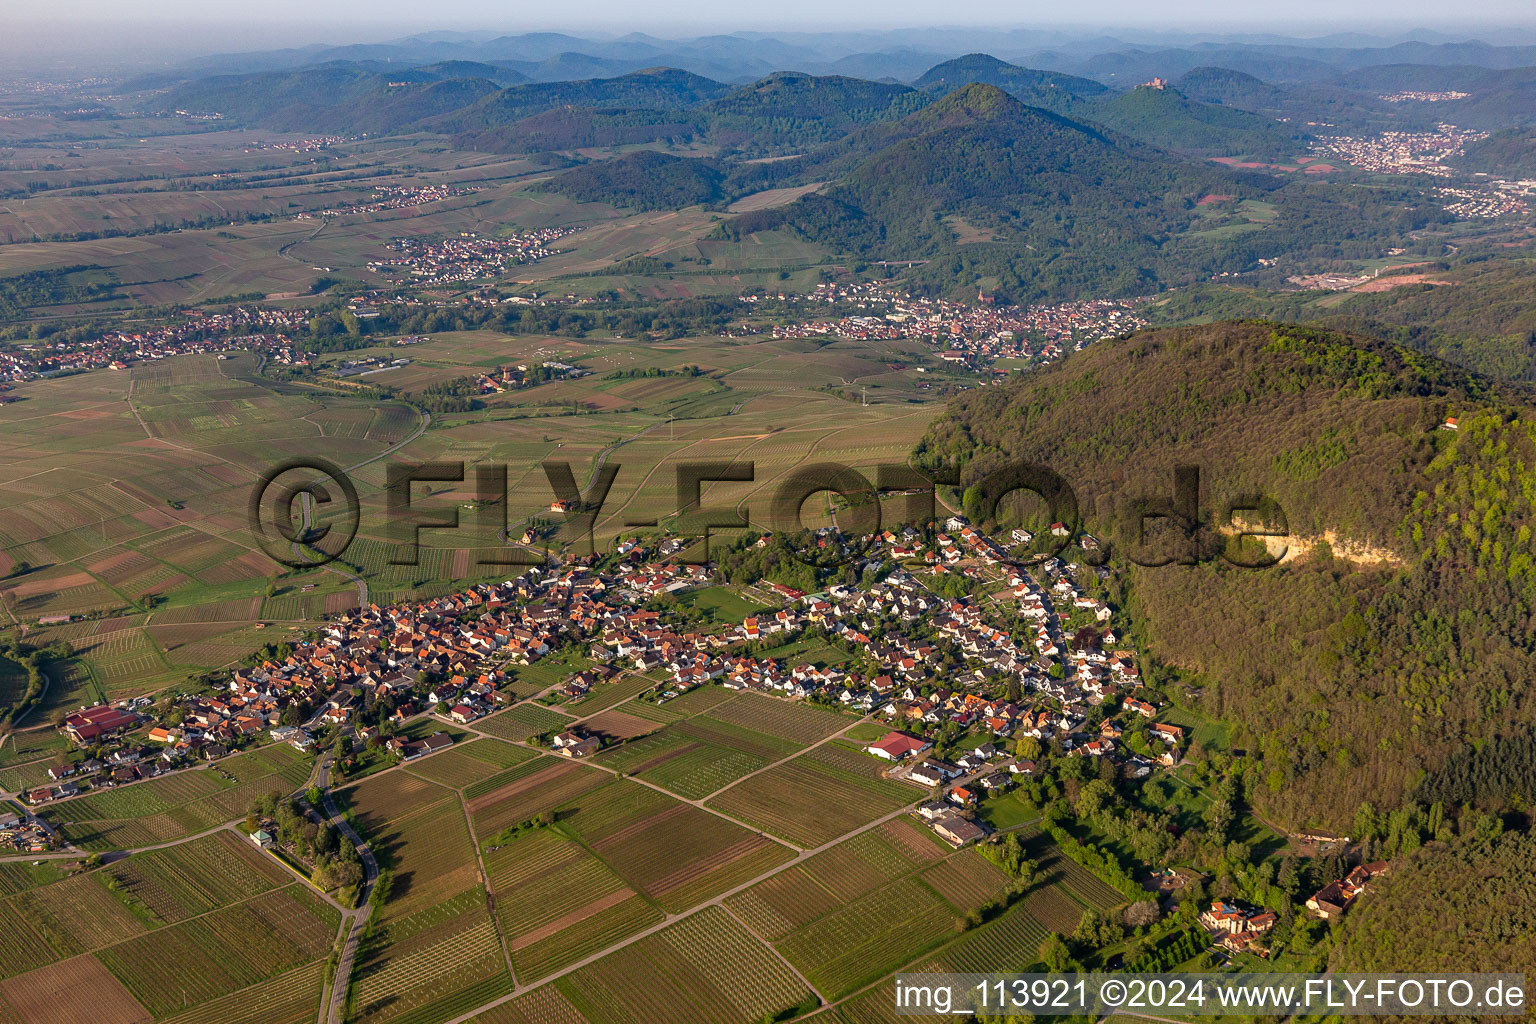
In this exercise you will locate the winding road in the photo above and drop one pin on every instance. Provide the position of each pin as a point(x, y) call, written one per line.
point(354, 920)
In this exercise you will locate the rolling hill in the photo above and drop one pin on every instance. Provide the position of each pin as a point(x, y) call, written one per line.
point(579, 127)
point(1495, 100)
point(1234, 89)
point(1048, 89)
point(1040, 185)
point(1398, 633)
point(1510, 154)
point(794, 110)
point(1164, 116)
point(652, 89)
point(643, 180)
point(339, 99)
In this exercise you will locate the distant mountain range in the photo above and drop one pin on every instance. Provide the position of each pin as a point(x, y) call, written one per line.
point(899, 55)
point(1032, 181)
point(1208, 110)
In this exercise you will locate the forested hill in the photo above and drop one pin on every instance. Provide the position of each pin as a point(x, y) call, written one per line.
point(651, 89)
point(988, 70)
point(1166, 117)
point(1049, 89)
point(643, 180)
point(1402, 632)
point(1481, 889)
point(1511, 152)
point(328, 99)
point(796, 110)
point(1054, 199)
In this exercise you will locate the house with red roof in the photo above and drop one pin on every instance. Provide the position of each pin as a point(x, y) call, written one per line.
point(88, 725)
point(897, 746)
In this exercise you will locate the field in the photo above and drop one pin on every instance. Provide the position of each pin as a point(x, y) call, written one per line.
point(193, 878)
point(128, 489)
point(815, 797)
point(731, 737)
point(521, 792)
point(869, 936)
point(523, 721)
point(777, 906)
point(215, 902)
point(967, 880)
point(721, 604)
point(436, 950)
point(234, 947)
point(676, 854)
point(431, 964)
point(178, 805)
point(431, 855)
point(13, 682)
point(685, 983)
point(289, 998)
point(558, 903)
point(71, 991)
point(468, 763)
point(1068, 875)
point(606, 695)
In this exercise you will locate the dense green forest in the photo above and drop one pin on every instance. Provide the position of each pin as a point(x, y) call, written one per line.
point(1481, 316)
point(1462, 906)
point(789, 111)
point(1168, 118)
point(1510, 153)
point(654, 89)
point(19, 292)
point(1062, 200)
point(579, 128)
point(643, 180)
point(1057, 208)
point(1401, 634)
point(1050, 90)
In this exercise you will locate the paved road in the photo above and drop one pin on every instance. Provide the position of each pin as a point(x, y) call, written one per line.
point(801, 855)
point(352, 920)
point(109, 856)
point(283, 252)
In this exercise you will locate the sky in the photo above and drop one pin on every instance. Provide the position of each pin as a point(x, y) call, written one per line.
point(156, 27)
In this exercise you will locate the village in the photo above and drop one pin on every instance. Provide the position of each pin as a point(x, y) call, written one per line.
point(1398, 152)
point(967, 334)
point(468, 256)
point(390, 197)
point(1490, 198)
point(199, 332)
point(967, 709)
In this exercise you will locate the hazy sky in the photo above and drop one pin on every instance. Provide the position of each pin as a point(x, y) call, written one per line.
point(161, 26)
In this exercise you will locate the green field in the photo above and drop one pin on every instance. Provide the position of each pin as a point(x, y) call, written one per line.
point(179, 805)
point(137, 483)
point(815, 797)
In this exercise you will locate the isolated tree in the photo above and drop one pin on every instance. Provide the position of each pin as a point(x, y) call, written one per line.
point(1142, 913)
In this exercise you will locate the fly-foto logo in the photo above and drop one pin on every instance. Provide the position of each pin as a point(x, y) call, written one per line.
point(305, 513)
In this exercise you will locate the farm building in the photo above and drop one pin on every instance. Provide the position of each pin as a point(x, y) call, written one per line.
point(897, 746)
point(89, 725)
